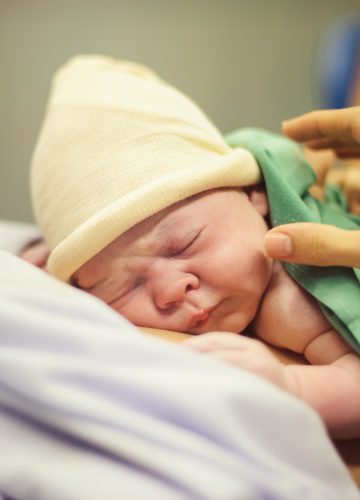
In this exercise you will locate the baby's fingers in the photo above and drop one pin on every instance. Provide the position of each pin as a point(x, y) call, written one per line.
point(242, 352)
point(219, 341)
point(36, 253)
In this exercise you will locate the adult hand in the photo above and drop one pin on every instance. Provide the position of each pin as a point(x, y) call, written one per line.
point(316, 244)
point(337, 129)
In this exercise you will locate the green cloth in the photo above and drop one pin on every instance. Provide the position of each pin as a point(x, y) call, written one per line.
point(287, 177)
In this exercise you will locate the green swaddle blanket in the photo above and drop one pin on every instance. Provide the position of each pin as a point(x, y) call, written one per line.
point(287, 177)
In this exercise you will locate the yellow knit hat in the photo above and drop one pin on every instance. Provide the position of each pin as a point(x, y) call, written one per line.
point(118, 144)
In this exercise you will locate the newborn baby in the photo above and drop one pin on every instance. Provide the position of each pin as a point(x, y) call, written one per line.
point(144, 205)
point(198, 267)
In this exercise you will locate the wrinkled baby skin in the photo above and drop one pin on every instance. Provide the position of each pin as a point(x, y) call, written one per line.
point(194, 267)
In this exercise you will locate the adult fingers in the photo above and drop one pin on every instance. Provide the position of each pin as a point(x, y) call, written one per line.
point(343, 124)
point(333, 143)
point(347, 153)
point(341, 147)
point(316, 244)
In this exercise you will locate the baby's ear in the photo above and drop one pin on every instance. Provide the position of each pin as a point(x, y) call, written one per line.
point(258, 199)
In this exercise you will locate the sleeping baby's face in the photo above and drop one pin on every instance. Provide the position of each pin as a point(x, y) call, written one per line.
point(197, 266)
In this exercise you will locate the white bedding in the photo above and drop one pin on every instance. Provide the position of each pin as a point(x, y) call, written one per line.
point(90, 408)
point(15, 235)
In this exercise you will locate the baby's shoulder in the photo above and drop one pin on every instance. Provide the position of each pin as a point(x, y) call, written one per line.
point(288, 316)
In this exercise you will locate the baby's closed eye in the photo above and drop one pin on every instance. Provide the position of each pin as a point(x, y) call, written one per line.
point(179, 246)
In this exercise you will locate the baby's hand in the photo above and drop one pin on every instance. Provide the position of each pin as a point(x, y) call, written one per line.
point(250, 354)
point(36, 253)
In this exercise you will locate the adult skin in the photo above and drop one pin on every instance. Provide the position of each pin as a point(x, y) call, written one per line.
point(317, 244)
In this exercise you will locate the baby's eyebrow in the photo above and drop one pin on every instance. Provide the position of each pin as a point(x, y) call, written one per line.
point(163, 229)
point(167, 226)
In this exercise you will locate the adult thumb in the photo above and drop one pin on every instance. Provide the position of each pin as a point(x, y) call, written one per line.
point(316, 244)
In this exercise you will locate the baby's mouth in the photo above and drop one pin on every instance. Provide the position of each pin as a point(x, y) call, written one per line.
point(200, 317)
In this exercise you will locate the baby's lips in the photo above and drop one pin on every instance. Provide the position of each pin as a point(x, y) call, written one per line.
point(200, 317)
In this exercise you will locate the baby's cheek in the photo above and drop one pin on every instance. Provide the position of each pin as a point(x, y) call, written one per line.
point(106, 292)
point(222, 266)
point(138, 310)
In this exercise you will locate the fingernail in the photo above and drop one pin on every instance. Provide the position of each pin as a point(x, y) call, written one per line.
point(278, 245)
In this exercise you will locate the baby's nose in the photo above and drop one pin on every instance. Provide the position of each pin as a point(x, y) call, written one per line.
point(172, 295)
point(171, 286)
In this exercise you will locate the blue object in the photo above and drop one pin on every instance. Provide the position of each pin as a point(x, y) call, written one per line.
point(338, 63)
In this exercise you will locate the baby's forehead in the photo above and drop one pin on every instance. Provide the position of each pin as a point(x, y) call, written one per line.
point(162, 226)
point(159, 227)
point(168, 220)
point(164, 220)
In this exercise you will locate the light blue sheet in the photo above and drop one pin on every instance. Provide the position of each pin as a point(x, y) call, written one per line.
point(92, 409)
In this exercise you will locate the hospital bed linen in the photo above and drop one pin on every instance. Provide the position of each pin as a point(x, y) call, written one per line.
point(15, 235)
point(91, 408)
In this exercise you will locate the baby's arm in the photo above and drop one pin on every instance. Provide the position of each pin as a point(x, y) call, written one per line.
point(331, 386)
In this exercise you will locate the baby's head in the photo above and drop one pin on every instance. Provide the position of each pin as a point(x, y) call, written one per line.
point(196, 266)
point(140, 200)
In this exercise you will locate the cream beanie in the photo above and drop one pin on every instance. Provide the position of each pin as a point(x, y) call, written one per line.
point(118, 144)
